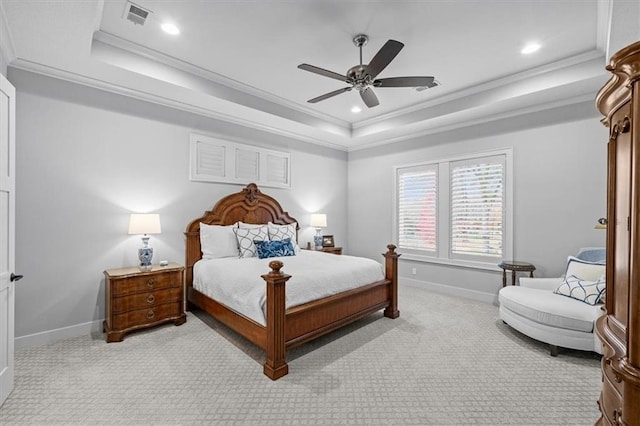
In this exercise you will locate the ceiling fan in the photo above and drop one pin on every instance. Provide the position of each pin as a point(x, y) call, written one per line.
point(363, 77)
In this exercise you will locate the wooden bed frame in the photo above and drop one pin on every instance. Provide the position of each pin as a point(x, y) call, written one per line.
point(285, 328)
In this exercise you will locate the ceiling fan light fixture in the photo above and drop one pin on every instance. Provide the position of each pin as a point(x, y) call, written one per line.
point(170, 28)
point(363, 77)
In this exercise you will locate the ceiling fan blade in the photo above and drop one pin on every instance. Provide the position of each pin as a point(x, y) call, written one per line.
point(329, 95)
point(370, 99)
point(323, 72)
point(384, 56)
point(405, 82)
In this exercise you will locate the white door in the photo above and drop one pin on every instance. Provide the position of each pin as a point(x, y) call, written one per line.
point(7, 234)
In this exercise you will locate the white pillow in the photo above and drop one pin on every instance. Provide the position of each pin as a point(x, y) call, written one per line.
point(589, 292)
point(245, 237)
point(218, 241)
point(584, 270)
point(280, 232)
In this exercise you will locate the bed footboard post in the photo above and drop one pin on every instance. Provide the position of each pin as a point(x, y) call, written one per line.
point(391, 273)
point(275, 366)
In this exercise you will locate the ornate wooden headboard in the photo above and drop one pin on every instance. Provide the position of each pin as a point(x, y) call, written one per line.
point(249, 206)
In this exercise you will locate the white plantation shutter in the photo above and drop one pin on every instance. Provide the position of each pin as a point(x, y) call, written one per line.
point(217, 160)
point(278, 168)
point(417, 208)
point(456, 211)
point(247, 165)
point(211, 160)
point(477, 207)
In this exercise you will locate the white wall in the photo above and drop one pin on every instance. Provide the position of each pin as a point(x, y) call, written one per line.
point(86, 160)
point(3, 63)
point(624, 25)
point(559, 193)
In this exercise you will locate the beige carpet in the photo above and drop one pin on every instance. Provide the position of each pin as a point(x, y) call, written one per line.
point(445, 361)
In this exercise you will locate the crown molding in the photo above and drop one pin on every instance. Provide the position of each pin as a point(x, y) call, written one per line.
point(581, 58)
point(482, 119)
point(7, 47)
point(134, 48)
point(64, 75)
point(603, 18)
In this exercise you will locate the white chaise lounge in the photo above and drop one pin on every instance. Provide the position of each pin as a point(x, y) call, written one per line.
point(536, 311)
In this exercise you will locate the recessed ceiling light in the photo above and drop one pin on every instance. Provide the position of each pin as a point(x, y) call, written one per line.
point(170, 28)
point(530, 48)
point(356, 109)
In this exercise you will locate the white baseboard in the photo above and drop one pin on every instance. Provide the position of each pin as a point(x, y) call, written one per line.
point(87, 328)
point(45, 337)
point(480, 296)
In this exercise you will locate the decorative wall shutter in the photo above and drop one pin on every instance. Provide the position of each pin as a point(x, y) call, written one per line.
point(217, 160)
point(210, 160)
point(247, 165)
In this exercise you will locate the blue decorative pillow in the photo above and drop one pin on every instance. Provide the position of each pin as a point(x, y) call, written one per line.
point(589, 292)
point(274, 248)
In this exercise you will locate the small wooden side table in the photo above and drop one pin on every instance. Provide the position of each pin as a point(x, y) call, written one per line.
point(514, 266)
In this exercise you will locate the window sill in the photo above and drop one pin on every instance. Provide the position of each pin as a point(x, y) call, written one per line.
point(484, 266)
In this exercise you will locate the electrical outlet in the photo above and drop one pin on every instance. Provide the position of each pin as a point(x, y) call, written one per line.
point(413, 271)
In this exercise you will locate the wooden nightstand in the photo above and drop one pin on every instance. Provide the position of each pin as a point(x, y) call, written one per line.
point(138, 299)
point(334, 250)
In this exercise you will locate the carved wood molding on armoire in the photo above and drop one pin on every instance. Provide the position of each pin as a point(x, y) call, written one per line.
point(619, 329)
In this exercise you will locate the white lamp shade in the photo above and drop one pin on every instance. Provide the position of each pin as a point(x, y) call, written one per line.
point(144, 223)
point(319, 220)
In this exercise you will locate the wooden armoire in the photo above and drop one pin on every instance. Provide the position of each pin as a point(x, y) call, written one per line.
point(619, 329)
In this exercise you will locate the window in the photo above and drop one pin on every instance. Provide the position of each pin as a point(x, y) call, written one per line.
point(455, 210)
point(417, 205)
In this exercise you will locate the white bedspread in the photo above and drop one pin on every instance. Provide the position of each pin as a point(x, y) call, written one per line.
point(237, 283)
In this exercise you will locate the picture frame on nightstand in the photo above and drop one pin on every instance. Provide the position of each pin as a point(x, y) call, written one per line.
point(327, 241)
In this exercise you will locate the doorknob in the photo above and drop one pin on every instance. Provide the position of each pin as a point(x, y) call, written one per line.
point(15, 277)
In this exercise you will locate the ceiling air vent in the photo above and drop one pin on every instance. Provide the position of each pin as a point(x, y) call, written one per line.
point(136, 14)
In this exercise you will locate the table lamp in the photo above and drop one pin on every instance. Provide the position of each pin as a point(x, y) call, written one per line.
point(145, 224)
point(318, 221)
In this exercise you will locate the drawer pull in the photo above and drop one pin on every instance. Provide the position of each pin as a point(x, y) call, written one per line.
point(151, 298)
point(150, 283)
point(150, 314)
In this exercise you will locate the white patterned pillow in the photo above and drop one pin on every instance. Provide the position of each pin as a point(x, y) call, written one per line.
point(603, 295)
point(218, 241)
point(245, 237)
point(585, 291)
point(281, 232)
point(250, 225)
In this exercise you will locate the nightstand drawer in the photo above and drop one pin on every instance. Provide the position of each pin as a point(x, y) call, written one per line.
point(146, 299)
point(146, 316)
point(146, 283)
